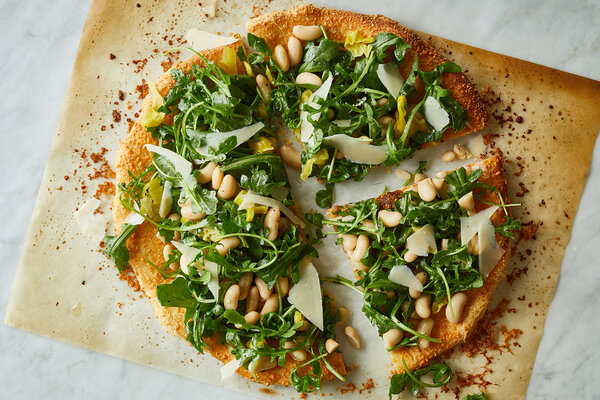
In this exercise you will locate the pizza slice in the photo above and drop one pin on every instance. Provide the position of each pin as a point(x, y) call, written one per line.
point(428, 258)
point(207, 223)
point(358, 90)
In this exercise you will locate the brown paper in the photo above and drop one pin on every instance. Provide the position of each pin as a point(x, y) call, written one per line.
point(65, 289)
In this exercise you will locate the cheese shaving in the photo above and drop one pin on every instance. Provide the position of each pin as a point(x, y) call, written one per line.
point(229, 369)
point(435, 114)
point(182, 166)
point(202, 40)
point(306, 128)
point(390, 77)
point(402, 275)
point(357, 150)
point(242, 135)
point(93, 225)
point(422, 242)
point(251, 198)
point(306, 294)
point(190, 253)
point(489, 251)
point(470, 225)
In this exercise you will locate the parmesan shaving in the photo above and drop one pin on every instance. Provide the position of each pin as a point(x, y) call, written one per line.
point(251, 198)
point(229, 369)
point(470, 225)
point(390, 76)
point(182, 166)
point(357, 150)
point(93, 225)
point(306, 294)
point(402, 275)
point(202, 40)
point(242, 135)
point(489, 251)
point(435, 114)
point(422, 242)
point(306, 128)
point(190, 253)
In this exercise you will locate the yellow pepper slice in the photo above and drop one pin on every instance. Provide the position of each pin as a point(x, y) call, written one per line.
point(263, 145)
point(149, 115)
point(228, 61)
point(320, 159)
point(357, 44)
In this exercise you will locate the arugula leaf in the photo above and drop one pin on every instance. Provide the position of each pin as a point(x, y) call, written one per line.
point(324, 197)
point(442, 374)
point(383, 41)
point(478, 396)
point(176, 294)
point(509, 227)
point(116, 246)
point(319, 55)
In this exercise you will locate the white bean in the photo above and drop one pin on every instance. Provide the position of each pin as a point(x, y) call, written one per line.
point(409, 256)
point(187, 213)
point(290, 157)
point(272, 222)
point(458, 301)
point(298, 355)
point(362, 245)
point(263, 288)
point(252, 317)
point(205, 173)
point(426, 190)
point(264, 86)
point(461, 151)
point(421, 277)
point(331, 345)
point(382, 101)
point(389, 218)
point(425, 326)
point(352, 336)
point(263, 363)
point(423, 306)
point(438, 183)
point(308, 78)
point(271, 304)
point(284, 285)
point(419, 177)
point(217, 178)
point(228, 187)
point(392, 337)
point(448, 156)
point(295, 51)
point(232, 295)
point(225, 245)
point(349, 241)
point(252, 299)
point(245, 282)
point(281, 58)
point(307, 32)
point(467, 201)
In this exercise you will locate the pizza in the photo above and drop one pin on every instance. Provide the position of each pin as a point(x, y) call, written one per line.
point(205, 216)
point(428, 258)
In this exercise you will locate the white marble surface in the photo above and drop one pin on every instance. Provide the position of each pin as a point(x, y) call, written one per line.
point(38, 44)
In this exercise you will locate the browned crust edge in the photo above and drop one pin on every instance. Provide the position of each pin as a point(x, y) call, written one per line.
point(276, 28)
point(144, 244)
point(478, 299)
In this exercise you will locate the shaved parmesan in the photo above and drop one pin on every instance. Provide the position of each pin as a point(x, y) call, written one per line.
point(357, 150)
point(390, 76)
point(242, 135)
point(489, 251)
point(229, 369)
point(93, 225)
point(182, 166)
point(435, 114)
point(202, 40)
point(476, 145)
point(342, 123)
point(402, 275)
point(190, 253)
point(133, 219)
point(251, 198)
point(422, 242)
point(306, 294)
point(470, 225)
point(166, 200)
point(306, 128)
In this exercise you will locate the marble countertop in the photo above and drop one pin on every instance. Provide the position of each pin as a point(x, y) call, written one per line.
point(38, 43)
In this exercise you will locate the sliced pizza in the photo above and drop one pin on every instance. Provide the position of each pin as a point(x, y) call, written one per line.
point(358, 90)
point(428, 258)
point(211, 232)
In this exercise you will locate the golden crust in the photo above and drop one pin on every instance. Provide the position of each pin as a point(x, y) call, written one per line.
point(478, 299)
point(145, 245)
point(276, 28)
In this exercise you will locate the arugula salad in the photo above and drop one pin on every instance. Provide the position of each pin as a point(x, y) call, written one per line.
point(236, 256)
point(417, 254)
point(341, 98)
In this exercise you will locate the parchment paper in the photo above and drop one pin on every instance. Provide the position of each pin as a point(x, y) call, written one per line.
point(65, 289)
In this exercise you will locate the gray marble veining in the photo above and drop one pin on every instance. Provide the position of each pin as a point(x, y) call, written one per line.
point(38, 44)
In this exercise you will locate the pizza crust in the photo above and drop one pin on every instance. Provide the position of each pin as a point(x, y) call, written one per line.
point(276, 28)
point(145, 245)
point(478, 299)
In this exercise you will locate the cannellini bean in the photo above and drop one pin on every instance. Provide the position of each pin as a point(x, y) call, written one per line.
point(426, 190)
point(368, 223)
point(228, 187)
point(458, 301)
point(343, 316)
point(331, 345)
point(167, 250)
point(385, 120)
point(404, 308)
point(441, 174)
point(389, 218)
point(392, 337)
point(272, 222)
point(308, 78)
point(295, 51)
point(252, 317)
point(307, 32)
point(252, 299)
point(352, 336)
point(419, 177)
point(461, 151)
point(362, 245)
point(382, 101)
point(271, 304)
point(403, 174)
point(290, 157)
point(205, 173)
point(467, 201)
point(187, 213)
point(284, 285)
point(281, 58)
point(409, 256)
point(289, 345)
point(438, 183)
point(245, 282)
point(264, 86)
point(298, 355)
point(263, 288)
point(421, 277)
point(448, 156)
point(217, 178)
point(232, 295)
point(425, 326)
point(261, 364)
point(349, 241)
point(423, 305)
point(225, 245)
